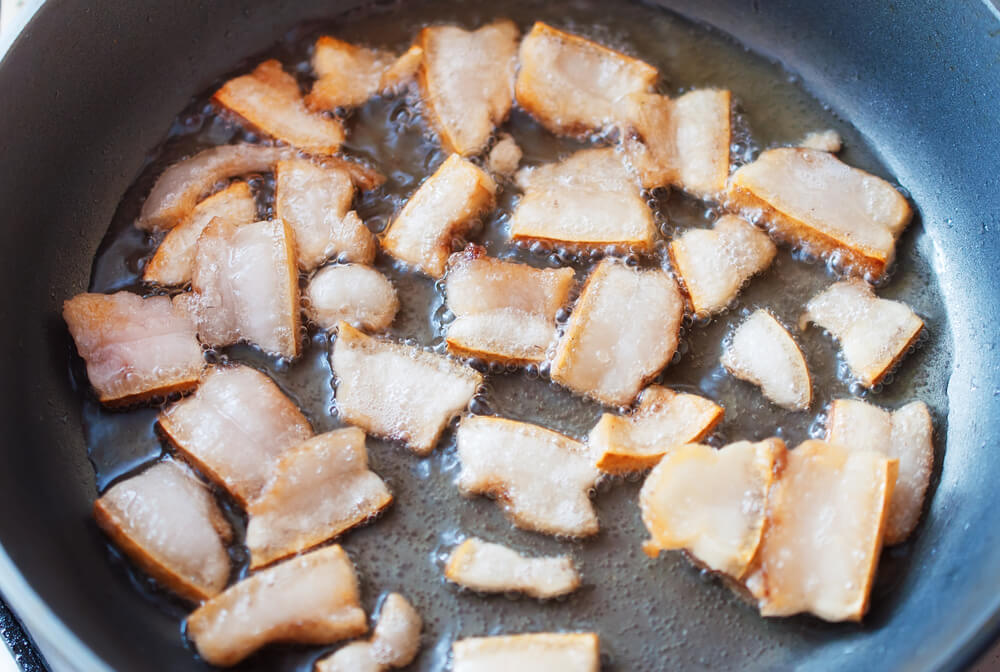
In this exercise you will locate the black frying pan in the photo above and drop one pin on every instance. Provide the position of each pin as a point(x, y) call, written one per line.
point(88, 89)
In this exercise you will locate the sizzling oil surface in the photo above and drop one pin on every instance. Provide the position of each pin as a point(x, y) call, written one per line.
point(650, 614)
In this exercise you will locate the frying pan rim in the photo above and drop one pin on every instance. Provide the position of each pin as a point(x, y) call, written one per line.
point(43, 625)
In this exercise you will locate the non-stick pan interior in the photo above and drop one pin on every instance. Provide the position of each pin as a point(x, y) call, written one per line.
point(95, 91)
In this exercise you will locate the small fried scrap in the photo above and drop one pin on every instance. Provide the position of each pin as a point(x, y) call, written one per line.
point(352, 293)
point(906, 435)
point(572, 85)
point(180, 187)
point(394, 643)
point(683, 142)
point(542, 477)
point(874, 334)
point(169, 524)
point(505, 311)
point(134, 348)
point(825, 141)
point(711, 503)
point(310, 599)
point(504, 157)
point(235, 428)
point(173, 261)
point(396, 391)
point(467, 81)
point(270, 100)
point(623, 330)
point(536, 652)
point(246, 287)
point(315, 201)
point(762, 352)
point(715, 263)
point(825, 523)
point(809, 197)
point(586, 201)
point(346, 75)
point(662, 420)
point(318, 490)
point(439, 211)
point(494, 568)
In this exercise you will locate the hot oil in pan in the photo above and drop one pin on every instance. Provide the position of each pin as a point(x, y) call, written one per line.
point(650, 614)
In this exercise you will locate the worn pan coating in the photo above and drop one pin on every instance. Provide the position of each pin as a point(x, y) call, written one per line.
point(87, 89)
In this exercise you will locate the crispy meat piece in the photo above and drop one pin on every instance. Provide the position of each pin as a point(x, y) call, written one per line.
point(504, 157)
point(905, 434)
point(310, 599)
point(874, 334)
point(173, 262)
point(134, 348)
point(825, 523)
point(439, 211)
point(543, 478)
point(586, 201)
point(715, 263)
point(318, 490)
point(246, 287)
point(762, 352)
point(825, 141)
point(572, 85)
point(608, 358)
point(505, 311)
point(467, 81)
point(396, 391)
point(394, 643)
point(810, 198)
point(494, 568)
point(235, 428)
point(536, 652)
point(352, 293)
point(346, 75)
point(269, 99)
point(711, 503)
point(315, 201)
point(169, 524)
point(663, 419)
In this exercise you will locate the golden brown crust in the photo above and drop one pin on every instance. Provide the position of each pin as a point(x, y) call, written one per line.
point(623, 462)
point(183, 385)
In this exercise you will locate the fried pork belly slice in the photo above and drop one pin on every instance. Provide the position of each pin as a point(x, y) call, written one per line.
point(572, 85)
point(269, 99)
point(179, 188)
point(134, 348)
point(441, 209)
point(352, 293)
point(874, 334)
point(316, 202)
point(310, 599)
point(716, 263)
point(246, 287)
point(505, 156)
point(536, 652)
point(505, 311)
point(169, 524)
point(623, 330)
point(810, 197)
point(234, 428)
point(662, 420)
point(317, 490)
point(711, 503)
point(683, 142)
point(762, 352)
point(543, 478)
point(905, 435)
point(585, 201)
point(394, 643)
point(346, 75)
point(396, 391)
point(467, 81)
point(173, 261)
point(825, 141)
point(825, 523)
point(494, 568)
